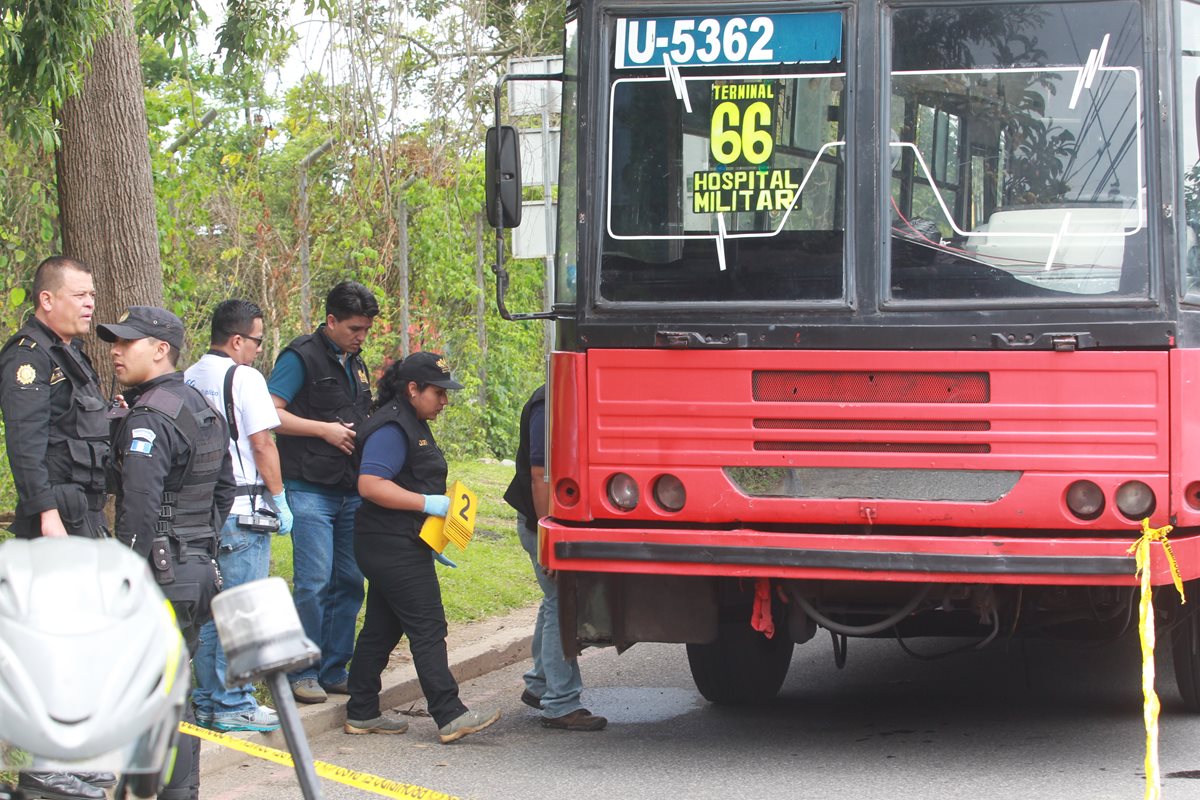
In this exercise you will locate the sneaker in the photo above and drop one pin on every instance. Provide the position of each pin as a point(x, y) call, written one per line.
point(578, 720)
point(337, 688)
point(532, 700)
point(380, 724)
point(204, 719)
point(467, 723)
point(261, 719)
point(308, 691)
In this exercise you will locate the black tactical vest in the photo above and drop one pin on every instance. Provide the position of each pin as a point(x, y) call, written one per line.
point(326, 396)
point(187, 512)
point(77, 450)
point(519, 494)
point(424, 472)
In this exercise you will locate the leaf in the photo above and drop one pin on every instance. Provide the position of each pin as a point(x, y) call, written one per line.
point(16, 297)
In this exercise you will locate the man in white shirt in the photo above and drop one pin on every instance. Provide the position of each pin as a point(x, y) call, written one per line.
point(234, 388)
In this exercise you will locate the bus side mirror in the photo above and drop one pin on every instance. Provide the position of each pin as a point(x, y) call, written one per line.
point(502, 166)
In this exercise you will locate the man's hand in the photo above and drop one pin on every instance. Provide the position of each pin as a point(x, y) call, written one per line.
point(341, 435)
point(52, 524)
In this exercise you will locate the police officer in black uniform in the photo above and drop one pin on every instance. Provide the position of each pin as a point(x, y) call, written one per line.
point(54, 413)
point(173, 477)
point(56, 435)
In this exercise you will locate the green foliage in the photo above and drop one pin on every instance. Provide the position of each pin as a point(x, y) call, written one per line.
point(227, 190)
point(28, 233)
point(43, 47)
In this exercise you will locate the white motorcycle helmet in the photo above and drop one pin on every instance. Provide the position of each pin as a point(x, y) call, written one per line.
point(93, 669)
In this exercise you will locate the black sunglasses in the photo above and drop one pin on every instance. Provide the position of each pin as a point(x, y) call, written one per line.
point(258, 340)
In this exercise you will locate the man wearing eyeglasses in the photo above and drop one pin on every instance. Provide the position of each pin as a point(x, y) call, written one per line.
point(239, 393)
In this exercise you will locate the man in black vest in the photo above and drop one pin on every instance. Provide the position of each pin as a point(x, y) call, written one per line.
point(173, 477)
point(322, 391)
point(554, 684)
point(56, 435)
point(54, 412)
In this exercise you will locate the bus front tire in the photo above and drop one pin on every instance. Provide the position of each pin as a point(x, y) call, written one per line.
point(742, 667)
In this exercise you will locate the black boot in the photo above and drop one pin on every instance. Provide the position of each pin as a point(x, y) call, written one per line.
point(57, 786)
point(101, 779)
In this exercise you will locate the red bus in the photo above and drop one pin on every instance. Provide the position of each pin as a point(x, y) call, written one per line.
point(876, 316)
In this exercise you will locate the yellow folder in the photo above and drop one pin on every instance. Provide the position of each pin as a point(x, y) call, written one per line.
point(457, 526)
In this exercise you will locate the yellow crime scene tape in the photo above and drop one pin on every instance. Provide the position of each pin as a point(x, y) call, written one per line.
point(359, 780)
point(1150, 708)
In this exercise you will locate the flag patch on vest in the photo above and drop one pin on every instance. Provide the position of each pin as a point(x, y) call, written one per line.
point(143, 441)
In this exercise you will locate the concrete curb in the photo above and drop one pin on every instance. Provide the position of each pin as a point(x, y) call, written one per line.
point(475, 649)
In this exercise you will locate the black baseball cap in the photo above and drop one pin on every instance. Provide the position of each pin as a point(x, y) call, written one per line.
point(142, 321)
point(429, 368)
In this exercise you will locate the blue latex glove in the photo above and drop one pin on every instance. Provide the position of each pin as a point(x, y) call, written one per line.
point(437, 505)
point(285, 514)
point(441, 559)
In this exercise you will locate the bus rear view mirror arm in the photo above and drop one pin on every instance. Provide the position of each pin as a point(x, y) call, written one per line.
point(502, 190)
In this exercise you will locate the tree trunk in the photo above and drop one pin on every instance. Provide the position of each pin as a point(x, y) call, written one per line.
point(105, 188)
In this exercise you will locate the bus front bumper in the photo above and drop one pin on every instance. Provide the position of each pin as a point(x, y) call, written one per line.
point(750, 553)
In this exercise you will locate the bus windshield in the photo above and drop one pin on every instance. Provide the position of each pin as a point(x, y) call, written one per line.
point(1014, 141)
point(1017, 151)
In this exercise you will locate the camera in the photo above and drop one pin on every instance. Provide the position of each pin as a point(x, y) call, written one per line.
point(263, 523)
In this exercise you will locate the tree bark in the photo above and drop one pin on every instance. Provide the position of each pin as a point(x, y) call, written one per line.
point(105, 187)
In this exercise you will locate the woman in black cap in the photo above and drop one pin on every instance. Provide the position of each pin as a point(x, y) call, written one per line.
point(402, 480)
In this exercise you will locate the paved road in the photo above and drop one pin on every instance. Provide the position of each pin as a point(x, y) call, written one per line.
point(1047, 722)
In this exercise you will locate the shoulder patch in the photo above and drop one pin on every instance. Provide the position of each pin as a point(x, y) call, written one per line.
point(26, 374)
point(141, 446)
point(144, 433)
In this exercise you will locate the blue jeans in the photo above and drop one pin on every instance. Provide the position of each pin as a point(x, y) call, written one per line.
point(327, 585)
point(244, 556)
point(554, 678)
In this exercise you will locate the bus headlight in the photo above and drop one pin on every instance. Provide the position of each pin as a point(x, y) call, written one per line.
point(669, 492)
point(1135, 499)
point(623, 491)
point(1085, 499)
